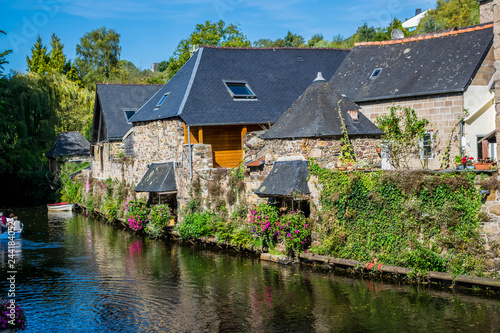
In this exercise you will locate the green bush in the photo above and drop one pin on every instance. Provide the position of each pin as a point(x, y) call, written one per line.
point(196, 225)
point(159, 218)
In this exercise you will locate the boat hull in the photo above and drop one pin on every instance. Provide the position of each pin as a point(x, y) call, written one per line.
point(59, 208)
point(5, 235)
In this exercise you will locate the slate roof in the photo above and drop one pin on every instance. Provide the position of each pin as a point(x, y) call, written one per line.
point(113, 98)
point(287, 178)
point(198, 95)
point(69, 143)
point(444, 62)
point(160, 177)
point(316, 114)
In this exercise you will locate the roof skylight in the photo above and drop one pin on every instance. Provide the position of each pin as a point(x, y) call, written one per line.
point(129, 112)
point(240, 90)
point(375, 73)
point(162, 99)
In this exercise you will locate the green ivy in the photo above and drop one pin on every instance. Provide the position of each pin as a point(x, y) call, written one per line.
point(409, 219)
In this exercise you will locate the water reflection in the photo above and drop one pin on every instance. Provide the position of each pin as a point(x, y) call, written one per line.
point(77, 274)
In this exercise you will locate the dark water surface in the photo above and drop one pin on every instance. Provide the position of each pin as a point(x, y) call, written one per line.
point(76, 274)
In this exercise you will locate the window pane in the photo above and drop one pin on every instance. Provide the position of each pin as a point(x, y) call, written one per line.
point(237, 89)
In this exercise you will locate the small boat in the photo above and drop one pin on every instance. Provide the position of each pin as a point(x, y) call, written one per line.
point(17, 234)
point(62, 206)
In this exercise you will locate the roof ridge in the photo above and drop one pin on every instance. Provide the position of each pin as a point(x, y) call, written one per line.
point(128, 84)
point(271, 48)
point(427, 36)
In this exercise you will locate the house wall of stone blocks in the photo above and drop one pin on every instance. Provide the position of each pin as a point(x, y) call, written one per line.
point(443, 111)
point(326, 151)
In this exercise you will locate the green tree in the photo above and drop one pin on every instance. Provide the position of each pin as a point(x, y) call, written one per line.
point(215, 34)
point(39, 61)
point(264, 42)
point(340, 42)
point(57, 59)
point(317, 40)
point(385, 33)
point(364, 34)
point(3, 54)
point(97, 55)
point(450, 14)
point(293, 40)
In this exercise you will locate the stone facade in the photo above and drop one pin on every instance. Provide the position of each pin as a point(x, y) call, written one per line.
point(326, 152)
point(443, 111)
point(486, 11)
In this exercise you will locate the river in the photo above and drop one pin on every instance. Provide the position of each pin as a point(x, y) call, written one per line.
point(79, 274)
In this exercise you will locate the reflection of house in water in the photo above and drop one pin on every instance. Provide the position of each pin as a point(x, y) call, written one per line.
point(68, 147)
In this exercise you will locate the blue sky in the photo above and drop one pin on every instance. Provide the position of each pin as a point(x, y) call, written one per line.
point(151, 30)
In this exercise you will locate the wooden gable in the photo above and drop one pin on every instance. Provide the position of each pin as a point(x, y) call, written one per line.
point(226, 142)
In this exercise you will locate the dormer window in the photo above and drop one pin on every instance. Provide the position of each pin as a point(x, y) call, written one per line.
point(239, 90)
point(129, 112)
point(376, 73)
point(162, 99)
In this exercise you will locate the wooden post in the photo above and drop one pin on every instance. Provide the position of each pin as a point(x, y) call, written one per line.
point(200, 134)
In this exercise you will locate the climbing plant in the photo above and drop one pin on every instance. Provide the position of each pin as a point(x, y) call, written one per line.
point(403, 132)
point(410, 219)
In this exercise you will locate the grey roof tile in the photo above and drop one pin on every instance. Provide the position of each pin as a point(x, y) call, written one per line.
point(316, 114)
point(160, 177)
point(429, 66)
point(113, 98)
point(277, 76)
point(69, 143)
point(287, 178)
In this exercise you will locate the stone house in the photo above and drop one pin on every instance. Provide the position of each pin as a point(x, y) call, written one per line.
point(311, 128)
point(439, 75)
point(198, 119)
point(68, 147)
point(114, 105)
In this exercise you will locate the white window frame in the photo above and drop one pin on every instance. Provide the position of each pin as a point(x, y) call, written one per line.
point(421, 143)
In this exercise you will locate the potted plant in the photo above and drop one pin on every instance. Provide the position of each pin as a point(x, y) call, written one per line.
point(341, 165)
point(485, 164)
point(12, 317)
point(349, 163)
point(458, 161)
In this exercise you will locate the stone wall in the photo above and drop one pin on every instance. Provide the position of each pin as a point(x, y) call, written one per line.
point(106, 169)
point(485, 11)
point(325, 151)
point(443, 111)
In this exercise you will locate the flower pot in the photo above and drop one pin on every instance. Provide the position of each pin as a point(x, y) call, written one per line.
point(470, 167)
point(483, 166)
point(349, 168)
point(341, 168)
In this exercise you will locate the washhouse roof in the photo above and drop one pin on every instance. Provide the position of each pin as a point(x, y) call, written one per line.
point(228, 86)
point(69, 143)
point(443, 62)
point(160, 177)
point(287, 178)
point(316, 113)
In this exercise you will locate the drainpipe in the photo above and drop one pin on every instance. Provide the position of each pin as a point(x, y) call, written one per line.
point(461, 138)
point(190, 154)
point(109, 156)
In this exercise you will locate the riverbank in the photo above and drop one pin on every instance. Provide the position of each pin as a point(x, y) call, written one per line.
point(367, 269)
